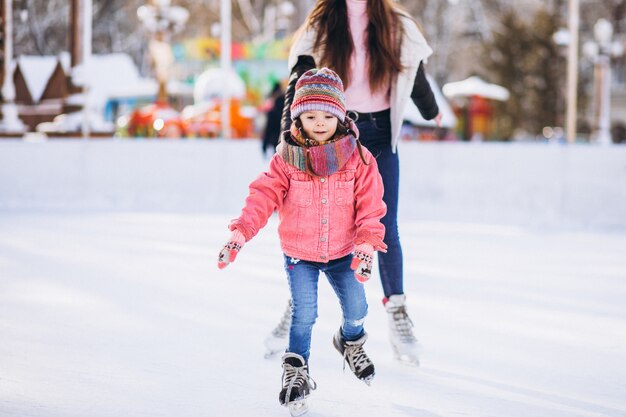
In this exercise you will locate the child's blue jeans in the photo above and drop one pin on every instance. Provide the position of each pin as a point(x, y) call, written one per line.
point(303, 277)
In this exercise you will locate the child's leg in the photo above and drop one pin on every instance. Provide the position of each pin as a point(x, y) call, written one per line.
point(303, 277)
point(351, 297)
point(350, 338)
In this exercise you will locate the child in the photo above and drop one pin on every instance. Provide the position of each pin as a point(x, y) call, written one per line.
point(328, 194)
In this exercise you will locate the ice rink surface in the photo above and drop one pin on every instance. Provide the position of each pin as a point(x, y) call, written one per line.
point(127, 315)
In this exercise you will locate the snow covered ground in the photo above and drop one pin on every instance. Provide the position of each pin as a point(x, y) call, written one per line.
point(126, 315)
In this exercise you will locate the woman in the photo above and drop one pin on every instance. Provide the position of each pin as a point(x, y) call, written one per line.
point(378, 51)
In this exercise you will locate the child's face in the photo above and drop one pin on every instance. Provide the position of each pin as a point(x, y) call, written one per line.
point(319, 125)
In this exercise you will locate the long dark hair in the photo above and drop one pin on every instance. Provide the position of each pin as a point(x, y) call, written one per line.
point(384, 37)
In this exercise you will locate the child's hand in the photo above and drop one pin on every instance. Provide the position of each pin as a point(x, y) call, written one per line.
point(231, 249)
point(362, 262)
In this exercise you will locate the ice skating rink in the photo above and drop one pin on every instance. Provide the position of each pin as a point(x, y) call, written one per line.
point(126, 315)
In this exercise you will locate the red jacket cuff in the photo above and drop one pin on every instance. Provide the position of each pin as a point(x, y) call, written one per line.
point(365, 236)
point(245, 230)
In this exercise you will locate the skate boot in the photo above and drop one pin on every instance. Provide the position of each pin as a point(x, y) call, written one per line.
point(277, 341)
point(297, 384)
point(355, 357)
point(405, 346)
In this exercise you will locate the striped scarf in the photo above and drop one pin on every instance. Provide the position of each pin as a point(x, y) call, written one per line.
point(325, 159)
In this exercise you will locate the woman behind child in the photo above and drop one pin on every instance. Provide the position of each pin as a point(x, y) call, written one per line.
point(328, 193)
point(379, 53)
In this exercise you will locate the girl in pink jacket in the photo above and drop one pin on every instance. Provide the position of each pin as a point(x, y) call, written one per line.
point(328, 193)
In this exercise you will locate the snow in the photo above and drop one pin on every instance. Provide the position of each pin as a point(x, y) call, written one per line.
point(37, 71)
point(106, 312)
point(73, 122)
point(476, 86)
point(213, 82)
point(126, 314)
point(112, 75)
point(530, 185)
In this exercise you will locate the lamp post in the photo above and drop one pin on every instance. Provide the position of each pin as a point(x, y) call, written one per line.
point(80, 31)
point(284, 16)
point(80, 38)
point(572, 71)
point(601, 52)
point(162, 21)
point(226, 63)
point(561, 38)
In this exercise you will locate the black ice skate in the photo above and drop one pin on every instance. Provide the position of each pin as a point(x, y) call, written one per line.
point(297, 384)
point(355, 356)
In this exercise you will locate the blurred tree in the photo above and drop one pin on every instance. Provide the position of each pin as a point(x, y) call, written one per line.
point(523, 57)
point(457, 29)
point(41, 26)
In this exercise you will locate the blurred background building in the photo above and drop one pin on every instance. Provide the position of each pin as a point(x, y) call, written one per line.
point(519, 46)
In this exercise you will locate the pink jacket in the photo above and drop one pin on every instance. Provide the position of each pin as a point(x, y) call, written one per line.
point(321, 218)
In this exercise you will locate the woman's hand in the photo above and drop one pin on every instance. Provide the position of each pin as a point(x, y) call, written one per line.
point(437, 119)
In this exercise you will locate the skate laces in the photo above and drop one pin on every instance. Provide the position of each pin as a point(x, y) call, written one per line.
point(298, 377)
point(402, 324)
point(282, 329)
point(356, 357)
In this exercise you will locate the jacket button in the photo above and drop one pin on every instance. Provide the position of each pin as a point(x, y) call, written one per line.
point(323, 239)
point(322, 179)
point(323, 201)
point(324, 221)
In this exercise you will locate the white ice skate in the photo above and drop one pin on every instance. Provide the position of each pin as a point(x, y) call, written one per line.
point(276, 342)
point(405, 347)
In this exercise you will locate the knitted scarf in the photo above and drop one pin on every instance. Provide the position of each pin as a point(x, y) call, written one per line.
point(325, 159)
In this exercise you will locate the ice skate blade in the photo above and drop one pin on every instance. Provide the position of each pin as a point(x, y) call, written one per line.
point(368, 380)
point(410, 362)
point(406, 359)
point(298, 407)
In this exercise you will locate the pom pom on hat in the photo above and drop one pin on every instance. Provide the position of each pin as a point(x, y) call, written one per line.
point(319, 89)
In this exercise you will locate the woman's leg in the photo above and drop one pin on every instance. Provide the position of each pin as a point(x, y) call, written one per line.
point(376, 136)
point(390, 264)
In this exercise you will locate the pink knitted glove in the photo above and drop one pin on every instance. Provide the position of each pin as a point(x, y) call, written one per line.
point(362, 262)
point(231, 249)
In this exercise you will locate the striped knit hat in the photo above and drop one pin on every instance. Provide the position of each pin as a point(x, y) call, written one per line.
point(319, 89)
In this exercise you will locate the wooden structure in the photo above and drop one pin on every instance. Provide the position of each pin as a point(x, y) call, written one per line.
point(42, 99)
point(2, 37)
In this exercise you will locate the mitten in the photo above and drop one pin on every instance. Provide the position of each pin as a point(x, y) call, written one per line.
point(231, 249)
point(362, 262)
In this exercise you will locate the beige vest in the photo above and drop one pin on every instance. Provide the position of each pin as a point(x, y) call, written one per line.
point(414, 50)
